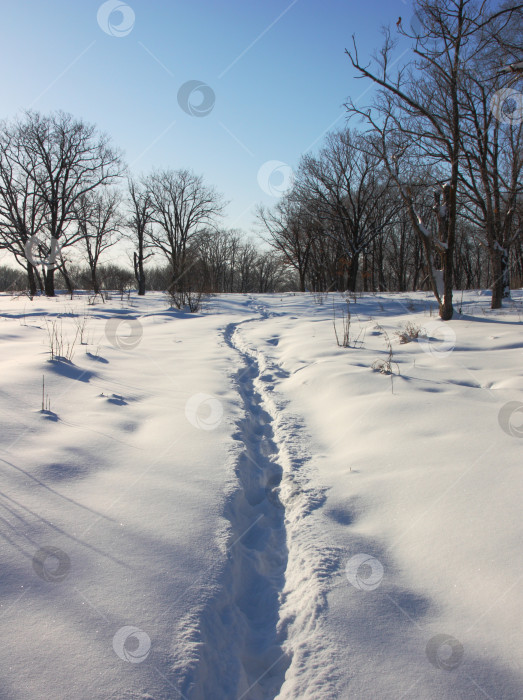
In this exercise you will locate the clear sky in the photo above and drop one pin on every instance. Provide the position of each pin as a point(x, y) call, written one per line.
point(274, 77)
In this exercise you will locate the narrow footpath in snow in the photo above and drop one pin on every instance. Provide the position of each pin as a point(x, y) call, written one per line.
point(241, 651)
point(259, 630)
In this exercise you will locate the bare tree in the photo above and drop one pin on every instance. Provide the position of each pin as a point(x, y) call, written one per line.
point(346, 191)
point(290, 230)
point(492, 148)
point(183, 208)
point(22, 212)
point(269, 273)
point(63, 158)
point(139, 222)
point(492, 180)
point(100, 223)
point(418, 116)
point(218, 254)
point(418, 109)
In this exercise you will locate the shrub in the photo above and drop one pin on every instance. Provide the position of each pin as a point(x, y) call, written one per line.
point(410, 332)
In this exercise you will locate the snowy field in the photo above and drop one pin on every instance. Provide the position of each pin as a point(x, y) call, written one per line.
point(229, 505)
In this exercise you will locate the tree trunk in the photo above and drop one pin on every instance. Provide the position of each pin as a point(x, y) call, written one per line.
point(31, 279)
point(67, 279)
point(302, 280)
point(49, 282)
point(446, 310)
point(39, 280)
point(505, 274)
point(446, 216)
point(497, 282)
point(353, 273)
point(139, 273)
point(94, 281)
point(497, 296)
point(365, 273)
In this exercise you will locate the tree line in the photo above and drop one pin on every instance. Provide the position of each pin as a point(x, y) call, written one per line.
point(427, 191)
point(61, 193)
point(422, 189)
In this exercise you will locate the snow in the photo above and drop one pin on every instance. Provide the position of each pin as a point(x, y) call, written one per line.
point(512, 67)
point(424, 230)
point(229, 505)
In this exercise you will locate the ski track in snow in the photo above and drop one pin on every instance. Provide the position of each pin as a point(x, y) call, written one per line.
point(248, 633)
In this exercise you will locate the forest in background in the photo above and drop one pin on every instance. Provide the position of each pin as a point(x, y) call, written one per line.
point(421, 190)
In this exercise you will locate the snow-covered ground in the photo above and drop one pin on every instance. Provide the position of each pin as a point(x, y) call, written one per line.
point(230, 505)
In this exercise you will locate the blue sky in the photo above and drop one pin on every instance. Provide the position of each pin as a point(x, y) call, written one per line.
point(276, 71)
